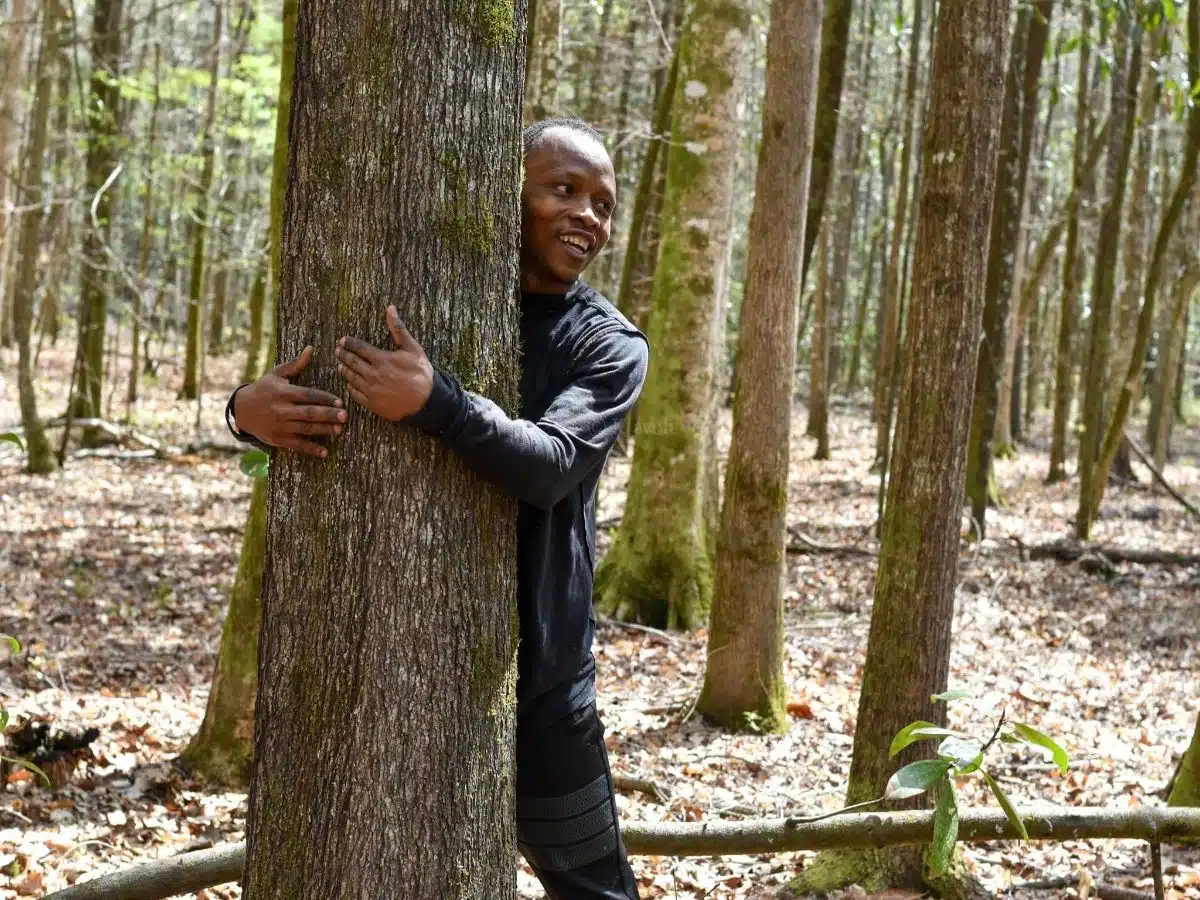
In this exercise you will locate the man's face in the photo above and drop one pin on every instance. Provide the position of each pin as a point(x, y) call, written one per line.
point(567, 205)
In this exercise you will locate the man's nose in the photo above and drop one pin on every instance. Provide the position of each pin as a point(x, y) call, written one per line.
point(586, 213)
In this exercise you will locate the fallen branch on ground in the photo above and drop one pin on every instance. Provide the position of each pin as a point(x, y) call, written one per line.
point(628, 783)
point(1069, 551)
point(1158, 476)
point(191, 872)
point(805, 544)
point(121, 434)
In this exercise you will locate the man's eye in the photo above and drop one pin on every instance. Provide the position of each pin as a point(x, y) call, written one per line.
point(605, 207)
point(565, 189)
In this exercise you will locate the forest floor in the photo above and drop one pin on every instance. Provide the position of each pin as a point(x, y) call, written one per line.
point(114, 574)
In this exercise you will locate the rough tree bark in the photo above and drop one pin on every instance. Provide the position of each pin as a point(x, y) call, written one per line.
point(1126, 74)
point(200, 213)
point(1064, 353)
point(397, 615)
point(743, 679)
point(908, 651)
point(10, 103)
point(40, 459)
point(659, 569)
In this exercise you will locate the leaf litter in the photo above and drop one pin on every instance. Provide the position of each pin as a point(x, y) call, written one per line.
point(114, 574)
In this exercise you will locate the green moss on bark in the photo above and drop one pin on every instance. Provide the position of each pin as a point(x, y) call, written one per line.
point(1186, 790)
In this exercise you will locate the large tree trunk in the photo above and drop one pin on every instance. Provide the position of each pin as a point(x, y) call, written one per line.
point(40, 459)
point(659, 569)
point(744, 680)
point(1171, 215)
point(1064, 350)
point(1125, 77)
point(102, 131)
point(835, 40)
point(200, 213)
point(1016, 131)
point(890, 336)
point(908, 651)
point(388, 639)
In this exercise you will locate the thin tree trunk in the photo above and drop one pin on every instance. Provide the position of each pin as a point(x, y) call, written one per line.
point(1173, 344)
point(818, 385)
point(744, 680)
point(419, 642)
point(200, 213)
point(60, 213)
point(148, 217)
point(1065, 350)
point(908, 651)
point(835, 40)
point(543, 60)
point(10, 116)
point(102, 158)
point(1024, 68)
point(258, 296)
point(40, 459)
point(890, 336)
point(659, 569)
point(860, 318)
point(1166, 230)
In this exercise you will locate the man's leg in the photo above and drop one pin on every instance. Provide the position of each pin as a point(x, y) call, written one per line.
point(566, 811)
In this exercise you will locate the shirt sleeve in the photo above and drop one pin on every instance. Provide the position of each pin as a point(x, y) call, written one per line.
point(541, 462)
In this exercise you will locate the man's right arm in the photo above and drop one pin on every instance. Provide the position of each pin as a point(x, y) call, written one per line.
point(272, 412)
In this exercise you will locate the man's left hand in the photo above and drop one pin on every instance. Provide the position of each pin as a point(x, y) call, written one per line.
point(390, 383)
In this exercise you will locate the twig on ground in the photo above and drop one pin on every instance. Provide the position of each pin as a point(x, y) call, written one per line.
point(1070, 551)
point(630, 783)
point(805, 544)
point(644, 629)
point(1158, 476)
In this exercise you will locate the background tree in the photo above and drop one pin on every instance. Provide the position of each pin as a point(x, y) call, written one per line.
point(1185, 791)
point(414, 639)
point(908, 651)
point(743, 678)
point(659, 569)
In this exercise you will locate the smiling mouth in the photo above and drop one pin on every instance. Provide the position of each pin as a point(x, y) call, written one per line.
point(576, 245)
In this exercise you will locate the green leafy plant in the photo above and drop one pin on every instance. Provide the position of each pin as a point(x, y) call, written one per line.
point(14, 647)
point(255, 463)
point(959, 754)
point(12, 438)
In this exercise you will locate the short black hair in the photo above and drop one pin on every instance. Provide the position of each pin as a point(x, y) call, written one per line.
point(532, 136)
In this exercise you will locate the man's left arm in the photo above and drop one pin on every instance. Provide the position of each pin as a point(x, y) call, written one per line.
point(537, 462)
point(540, 462)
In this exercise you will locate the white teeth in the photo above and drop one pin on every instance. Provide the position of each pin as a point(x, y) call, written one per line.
point(574, 242)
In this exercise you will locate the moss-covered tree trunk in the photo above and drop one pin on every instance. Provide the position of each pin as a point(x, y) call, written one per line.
point(1131, 383)
point(200, 213)
point(1186, 789)
point(744, 679)
point(889, 337)
point(40, 459)
point(102, 158)
point(1064, 355)
point(659, 569)
point(223, 748)
point(908, 651)
point(1016, 132)
point(1126, 74)
point(387, 670)
point(258, 297)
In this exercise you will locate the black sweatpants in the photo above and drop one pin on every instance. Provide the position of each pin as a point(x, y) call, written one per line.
point(566, 811)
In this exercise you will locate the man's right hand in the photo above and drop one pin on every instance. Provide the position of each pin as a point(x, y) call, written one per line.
point(280, 414)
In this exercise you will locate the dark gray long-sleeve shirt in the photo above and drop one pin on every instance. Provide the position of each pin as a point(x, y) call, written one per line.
point(582, 368)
